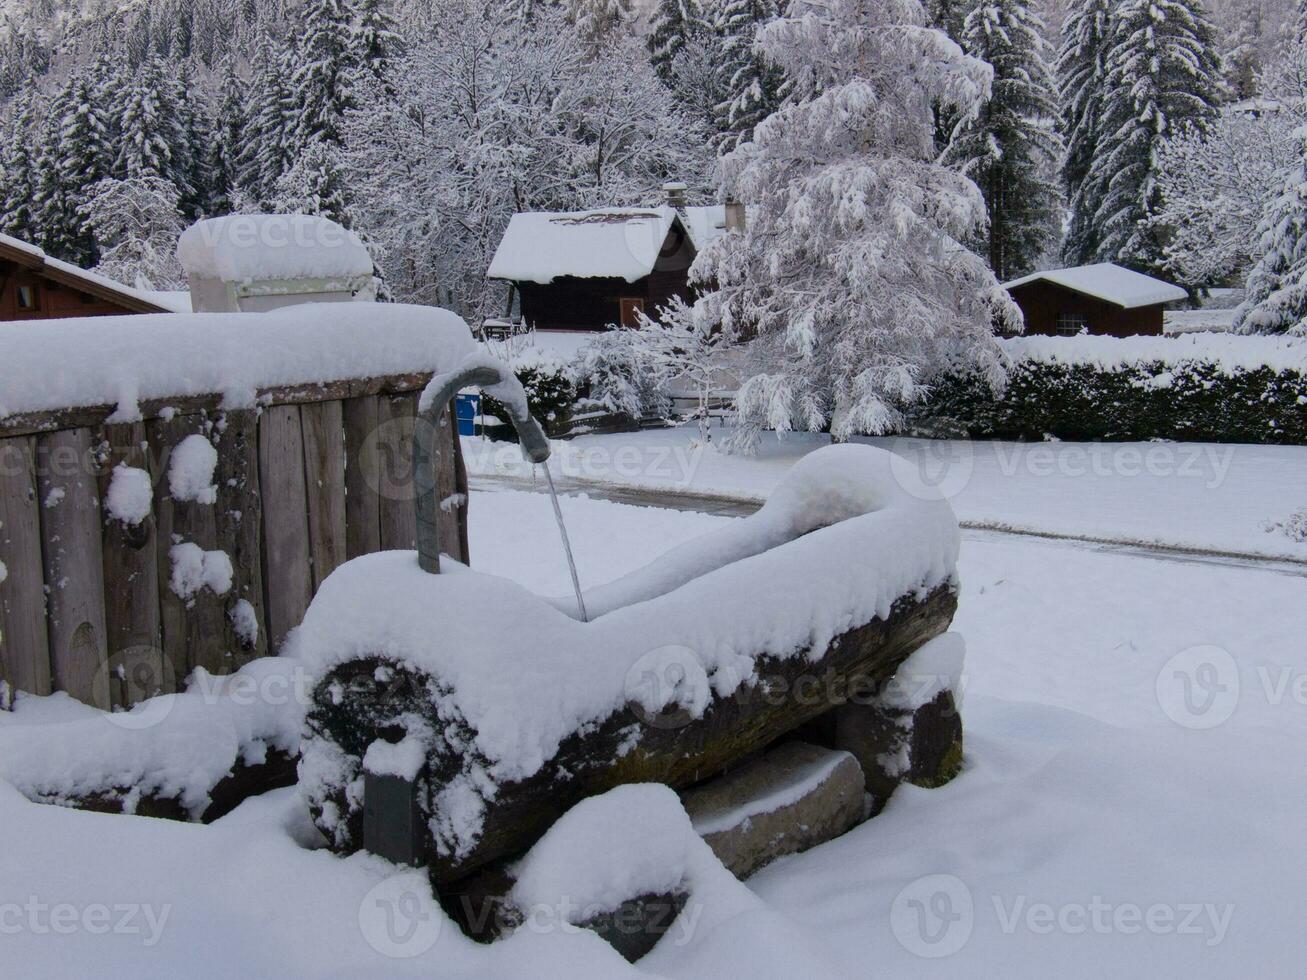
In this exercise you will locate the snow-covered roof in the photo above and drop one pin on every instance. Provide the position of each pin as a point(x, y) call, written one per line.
point(251, 247)
point(124, 360)
point(1110, 283)
point(608, 243)
point(31, 257)
point(705, 223)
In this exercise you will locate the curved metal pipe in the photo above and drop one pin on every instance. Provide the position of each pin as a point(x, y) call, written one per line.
point(426, 446)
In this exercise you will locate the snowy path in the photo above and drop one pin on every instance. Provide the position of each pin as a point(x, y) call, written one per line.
point(725, 506)
point(1187, 496)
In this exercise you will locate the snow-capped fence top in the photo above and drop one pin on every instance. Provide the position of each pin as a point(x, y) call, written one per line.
point(126, 365)
point(1228, 352)
point(173, 488)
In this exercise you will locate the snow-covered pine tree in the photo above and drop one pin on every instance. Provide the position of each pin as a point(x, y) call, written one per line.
point(224, 152)
point(675, 22)
point(328, 61)
point(376, 41)
point(1010, 148)
point(850, 274)
point(150, 124)
point(1082, 74)
point(85, 156)
point(598, 20)
point(314, 184)
point(18, 175)
point(1276, 300)
point(1163, 74)
point(1243, 55)
point(949, 16)
point(753, 85)
point(272, 123)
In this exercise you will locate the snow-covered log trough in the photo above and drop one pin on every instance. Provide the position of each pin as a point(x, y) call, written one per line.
point(174, 488)
point(458, 716)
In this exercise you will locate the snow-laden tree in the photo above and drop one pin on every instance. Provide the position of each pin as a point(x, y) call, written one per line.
point(1163, 74)
point(1214, 185)
point(950, 16)
point(151, 126)
point(1082, 80)
point(137, 222)
point(1010, 147)
point(850, 276)
point(596, 21)
point(376, 42)
point(1276, 300)
point(271, 126)
point(674, 23)
point(752, 84)
point(18, 174)
point(328, 63)
point(315, 184)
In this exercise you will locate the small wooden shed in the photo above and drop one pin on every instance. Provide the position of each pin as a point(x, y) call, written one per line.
point(1102, 299)
point(588, 270)
point(34, 286)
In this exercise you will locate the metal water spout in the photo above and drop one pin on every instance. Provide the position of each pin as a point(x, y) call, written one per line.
point(426, 457)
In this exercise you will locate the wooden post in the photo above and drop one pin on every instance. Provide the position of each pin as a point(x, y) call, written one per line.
point(131, 575)
point(288, 575)
point(396, 418)
point(324, 472)
point(24, 645)
point(74, 564)
point(362, 503)
point(240, 530)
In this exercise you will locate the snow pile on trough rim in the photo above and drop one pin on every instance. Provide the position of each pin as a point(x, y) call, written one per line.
point(171, 746)
point(1228, 352)
point(839, 542)
point(247, 247)
point(122, 360)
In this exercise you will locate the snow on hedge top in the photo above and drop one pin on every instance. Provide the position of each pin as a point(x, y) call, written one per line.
point(838, 543)
point(1110, 283)
point(121, 360)
point(613, 243)
point(248, 247)
point(1228, 352)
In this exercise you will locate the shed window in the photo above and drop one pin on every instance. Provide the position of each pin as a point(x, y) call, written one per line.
point(29, 299)
point(1072, 324)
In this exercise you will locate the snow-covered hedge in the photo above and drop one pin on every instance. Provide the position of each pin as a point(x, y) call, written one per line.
point(1211, 388)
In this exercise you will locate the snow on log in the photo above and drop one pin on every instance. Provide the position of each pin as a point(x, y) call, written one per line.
point(687, 666)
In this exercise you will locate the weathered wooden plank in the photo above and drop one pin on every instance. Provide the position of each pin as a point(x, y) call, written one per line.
point(460, 479)
point(93, 416)
point(74, 564)
point(24, 645)
point(138, 669)
point(240, 534)
point(287, 574)
point(396, 418)
point(362, 502)
point(324, 476)
point(193, 626)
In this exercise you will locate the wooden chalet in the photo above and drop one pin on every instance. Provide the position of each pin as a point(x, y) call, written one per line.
point(589, 270)
point(34, 286)
point(1101, 299)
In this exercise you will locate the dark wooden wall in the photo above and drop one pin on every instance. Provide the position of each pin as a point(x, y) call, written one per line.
point(56, 300)
point(1042, 302)
point(572, 303)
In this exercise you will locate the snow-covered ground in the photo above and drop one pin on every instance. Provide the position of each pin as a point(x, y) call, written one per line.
point(1189, 495)
point(1103, 824)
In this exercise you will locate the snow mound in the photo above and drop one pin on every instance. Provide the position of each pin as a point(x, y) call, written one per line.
point(524, 674)
point(633, 840)
point(131, 495)
point(172, 746)
point(246, 247)
point(123, 360)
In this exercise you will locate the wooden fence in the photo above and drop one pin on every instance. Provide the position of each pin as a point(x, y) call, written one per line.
point(315, 476)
